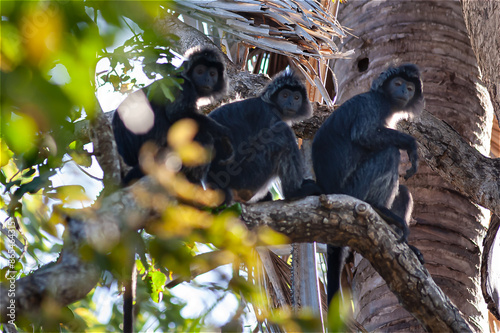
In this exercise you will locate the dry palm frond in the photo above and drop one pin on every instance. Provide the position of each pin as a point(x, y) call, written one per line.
point(292, 28)
point(277, 276)
point(299, 29)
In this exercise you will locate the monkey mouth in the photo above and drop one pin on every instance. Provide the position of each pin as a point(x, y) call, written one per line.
point(288, 112)
point(205, 89)
point(401, 101)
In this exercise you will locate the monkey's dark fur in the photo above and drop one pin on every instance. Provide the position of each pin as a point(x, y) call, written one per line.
point(166, 113)
point(264, 144)
point(356, 152)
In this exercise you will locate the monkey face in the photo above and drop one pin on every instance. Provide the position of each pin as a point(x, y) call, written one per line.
point(400, 92)
point(289, 102)
point(205, 78)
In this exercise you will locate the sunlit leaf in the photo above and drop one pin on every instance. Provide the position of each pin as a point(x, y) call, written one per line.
point(268, 236)
point(29, 172)
point(82, 158)
point(70, 193)
point(38, 213)
point(21, 133)
point(193, 154)
point(339, 311)
point(78, 89)
point(41, 29)
point(182, 133)
point(11, 50)
point(56, 218)
point(5, 153)
point(180, 220)
point(158, 280)
point(140, 267)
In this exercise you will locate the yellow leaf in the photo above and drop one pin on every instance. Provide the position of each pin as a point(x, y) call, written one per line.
point(267, 236)
point(69, 193)
point(5, 154)
point(41, 28)
point(182, 133)
point(193, 154)
point(181, 220)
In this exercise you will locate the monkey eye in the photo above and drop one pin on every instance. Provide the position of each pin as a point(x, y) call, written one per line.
point(212, 73)
point(296, 98)
point(410, 88)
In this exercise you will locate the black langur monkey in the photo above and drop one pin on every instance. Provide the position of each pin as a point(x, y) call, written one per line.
point(204, 77)
point(356, 152)
point(264, 145)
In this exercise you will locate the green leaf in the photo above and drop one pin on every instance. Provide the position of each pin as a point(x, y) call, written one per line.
point(158, 280)
point(30, 172)
point(167, 91)
point(20, 133)
point(82, 158)
point(35, 185)
point(69, 193)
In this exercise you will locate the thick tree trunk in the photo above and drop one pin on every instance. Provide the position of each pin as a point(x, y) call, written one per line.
point(449, 228)
point(482, 19)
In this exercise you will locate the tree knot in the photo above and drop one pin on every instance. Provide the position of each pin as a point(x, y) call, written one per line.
point(361, 209)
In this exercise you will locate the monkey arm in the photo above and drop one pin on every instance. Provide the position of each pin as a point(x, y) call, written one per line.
point(382, 137)
point(403, 141)
point(219, 132)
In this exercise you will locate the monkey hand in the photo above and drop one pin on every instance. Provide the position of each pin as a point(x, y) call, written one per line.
point(411, 171)
point(414, 165)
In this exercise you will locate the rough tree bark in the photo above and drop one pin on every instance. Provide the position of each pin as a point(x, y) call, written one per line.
point(482, 19)
point(450, 228)
point(471, 173)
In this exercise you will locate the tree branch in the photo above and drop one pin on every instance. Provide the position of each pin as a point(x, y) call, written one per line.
point(71, 277)
point(445, 151)
point(64, 282)
point(343, 220)
point(101, 135)
point(335, 219)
